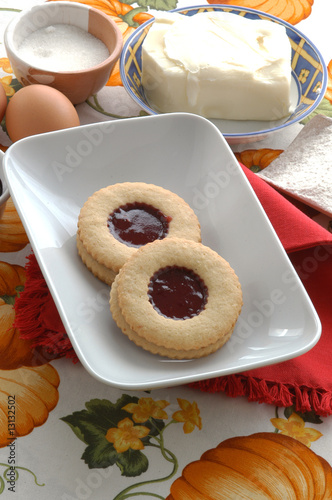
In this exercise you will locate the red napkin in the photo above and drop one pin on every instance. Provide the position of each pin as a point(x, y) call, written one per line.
point(305, 382)
point(37, 317)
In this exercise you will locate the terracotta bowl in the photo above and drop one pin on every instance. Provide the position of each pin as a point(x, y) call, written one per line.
point(4, 192)
point(76, 85)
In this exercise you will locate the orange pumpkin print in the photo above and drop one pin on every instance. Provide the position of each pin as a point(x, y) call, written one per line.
point(328, 93)
point(12, 276)
point(12, 233)
point(264, 466)
point(292, 11)
point(127, 19)
point(6, 83)
point(14, 351)
point(34, 392)
point(33, 388)
point(257, 159)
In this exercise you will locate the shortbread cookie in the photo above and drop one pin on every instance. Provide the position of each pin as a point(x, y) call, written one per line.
point(117, 220)
point(153, 348)
point(103, 273)
point(176, 298)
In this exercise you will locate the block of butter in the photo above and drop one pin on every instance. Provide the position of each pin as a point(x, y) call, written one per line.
point(217, 65)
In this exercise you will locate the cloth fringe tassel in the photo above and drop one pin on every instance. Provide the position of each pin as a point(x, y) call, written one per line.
point(37, 319)
point(303, 399)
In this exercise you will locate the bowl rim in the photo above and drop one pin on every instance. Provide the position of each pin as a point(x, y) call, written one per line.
point(10, 29)
point(222, 7)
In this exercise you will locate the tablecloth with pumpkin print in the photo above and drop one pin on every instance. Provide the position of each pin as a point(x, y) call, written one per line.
point(76, 438)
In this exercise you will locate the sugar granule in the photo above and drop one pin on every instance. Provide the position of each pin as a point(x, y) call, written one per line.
point(62, 47)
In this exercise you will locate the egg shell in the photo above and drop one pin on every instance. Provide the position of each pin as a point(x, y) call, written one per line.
point(3, 102)
point(37, 109)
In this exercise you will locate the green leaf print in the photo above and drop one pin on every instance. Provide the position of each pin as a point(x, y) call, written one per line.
point(91, 426)
point(132, 463)
point(324, 108)
point(120, 434)
point(158, 4)
point(309, 416)
point(100, 454)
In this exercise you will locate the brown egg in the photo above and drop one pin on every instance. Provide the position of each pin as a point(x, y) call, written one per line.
point(37, 109)
point(3, 102)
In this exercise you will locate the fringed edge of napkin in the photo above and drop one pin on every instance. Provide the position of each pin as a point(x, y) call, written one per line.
point(37, 318)
point(304, 399)
point(38, 321)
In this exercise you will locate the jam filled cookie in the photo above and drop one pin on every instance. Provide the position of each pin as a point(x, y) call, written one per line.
point(103, 273)
point(117, 220)
point(177, 298)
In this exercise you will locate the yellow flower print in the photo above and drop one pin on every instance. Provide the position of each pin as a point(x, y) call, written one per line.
point(294, 427)
point(6, 81)
point(127, 435)
point(303, 75)
point(5, 65)
point(317, 87)
point(146, 408)
point(189, 414)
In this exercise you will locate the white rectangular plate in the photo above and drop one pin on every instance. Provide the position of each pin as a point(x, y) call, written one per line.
point(50, 176)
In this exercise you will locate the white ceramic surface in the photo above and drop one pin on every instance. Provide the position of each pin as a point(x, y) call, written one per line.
point(50, 177)
point(5, 192)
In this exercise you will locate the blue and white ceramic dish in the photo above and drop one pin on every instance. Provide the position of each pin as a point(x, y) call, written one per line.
point(309, 75)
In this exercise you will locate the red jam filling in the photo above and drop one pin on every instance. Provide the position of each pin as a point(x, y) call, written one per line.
point(177, 292)
point(136, 224)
